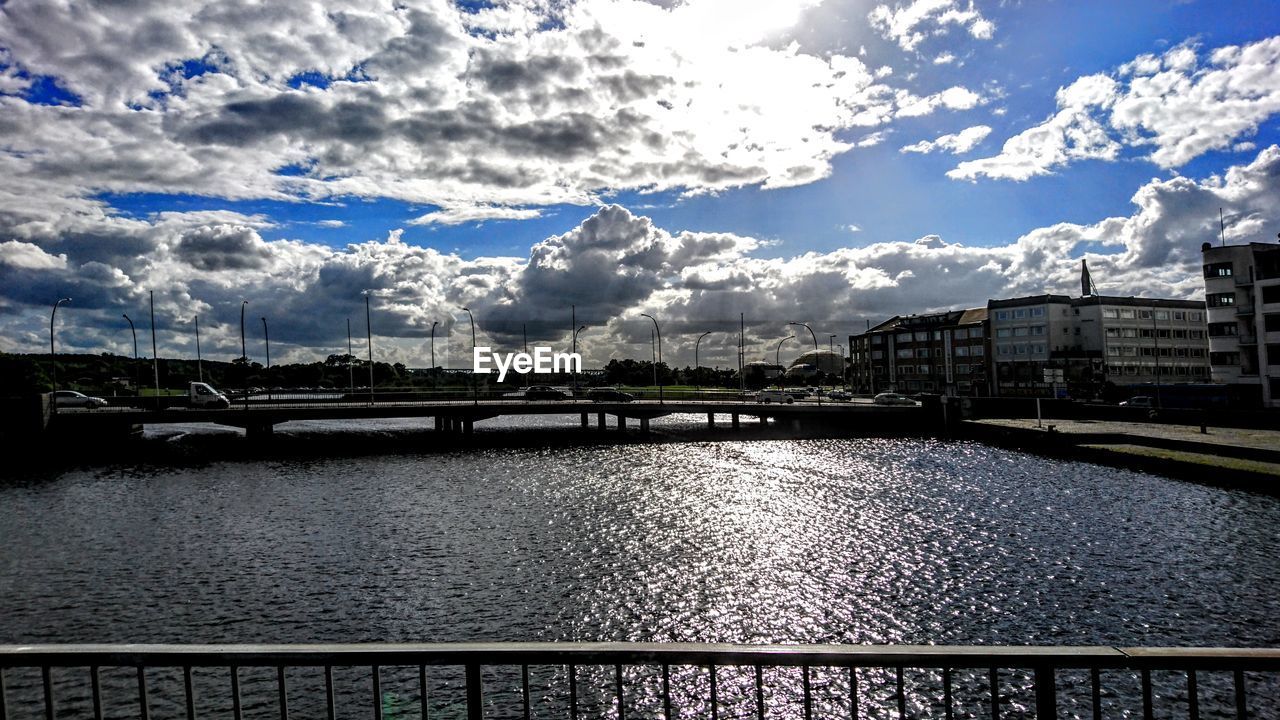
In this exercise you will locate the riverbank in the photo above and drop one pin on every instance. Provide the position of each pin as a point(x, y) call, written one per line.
point(1232, 457)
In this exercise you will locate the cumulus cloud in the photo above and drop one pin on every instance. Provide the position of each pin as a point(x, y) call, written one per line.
point(485, 113)
point(956, 143)
point(1174, 104)
point(612, 266)
point(910, 24)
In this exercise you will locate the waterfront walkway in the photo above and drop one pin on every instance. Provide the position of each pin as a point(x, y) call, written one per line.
point(1240, 450)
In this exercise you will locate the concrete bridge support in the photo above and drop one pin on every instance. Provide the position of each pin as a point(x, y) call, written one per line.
point(439, 423)
point(622, 423)
point(734, 421)
point(600, 421)
point(259, 431)
point(644, 426)
point(467, 426)
point(585, 422)
point(711, 419)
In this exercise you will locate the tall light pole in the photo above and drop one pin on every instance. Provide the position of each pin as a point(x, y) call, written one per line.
point(199, 359)
point(368, 330)
point(351, 364)
point(135, 355)
point(815, 352)
point(53, 359)
point(696, 343)
point(475, 398)
point(244, 358)
point(266, 337)
point(575, 367)
point(434, 323)
point(657, 330)
point(155, 356)
point(777, 357)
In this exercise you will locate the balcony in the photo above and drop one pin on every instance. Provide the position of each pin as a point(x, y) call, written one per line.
point(1244, 309)
point(630, 680)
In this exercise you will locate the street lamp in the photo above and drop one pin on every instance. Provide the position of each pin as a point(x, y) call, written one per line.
point(777, 356)
point(657, 330)
point(351, 364)
point(434, 323)
point(53, 360)
point(475, 398)
point(575, 367)
point(815, 352)
point(695, 354)
point(267, 338)
point(136, 389)
point(244, 358)
point(199, 359)
point(368, 329)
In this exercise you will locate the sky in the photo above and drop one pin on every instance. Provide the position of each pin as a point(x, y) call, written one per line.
point(830, 162)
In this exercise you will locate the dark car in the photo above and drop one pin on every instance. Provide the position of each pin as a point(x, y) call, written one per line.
point(543, 392)
point(607, 394)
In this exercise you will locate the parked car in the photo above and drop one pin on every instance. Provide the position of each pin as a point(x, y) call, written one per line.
point(73, 399)
point(1139, 401)
point(839, 395)
point(893, 399)
point(797, 393)
point(774, 395)
point(608, 394)
point(543, 392)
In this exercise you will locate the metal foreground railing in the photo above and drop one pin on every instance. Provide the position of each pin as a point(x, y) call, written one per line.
point(631, 680)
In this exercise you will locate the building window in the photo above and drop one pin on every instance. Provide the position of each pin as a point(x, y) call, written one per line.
point(877, 339)
point(1162, 314)
point(1196, 317)
point(922, 353)
point(905, 353)
point(977, 351)
point(1222, 329)
point(877, 354)
point(1037, 329)
point(1020, 349)
point(1214, 270)
point(1144, 314)
point(961, 351)
point(1129, 332)
point(1270, 323)
point(1273, 353)
point(1220, 299)
point(1271, 294)
point(1020, 313)
point(1224, 358)
point(1179, 315)
point(1196, 334)
point(903, 337)
point(922, 336)
point(1180, 334)
point(1037, 312)
point(1037, 349)
point(1004, 350)
point(975, 332)
point(1127, 314)
point(1020, 332)
point(1110, 313)
point(1003, 332)
point(1002, 314)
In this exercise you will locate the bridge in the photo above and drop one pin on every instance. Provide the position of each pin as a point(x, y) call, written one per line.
point(457, 413)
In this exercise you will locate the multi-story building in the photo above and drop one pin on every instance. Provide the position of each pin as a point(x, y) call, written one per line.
point(1242, 291)
point(1095, 340)
point(942, 353)
point(1034, 346)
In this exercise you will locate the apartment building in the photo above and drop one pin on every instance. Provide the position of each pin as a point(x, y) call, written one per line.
point(1242, 292)
point(943, 353)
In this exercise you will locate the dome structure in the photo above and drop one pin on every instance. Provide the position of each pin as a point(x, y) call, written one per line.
point(766, 369)
point(824, 361)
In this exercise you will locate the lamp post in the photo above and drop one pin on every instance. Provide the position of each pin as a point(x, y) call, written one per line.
point(266, 337)
point(657, 330)
point(696, 343)
point(815, 352)
point(199, 359)
point(351, 364)
point(135, 353)
point(368, 335)
point(155, 355)
point(575, 367)
point(475, 398)
point(434, 323)
point(53, 360)
point(244, 358)
point(777, 356)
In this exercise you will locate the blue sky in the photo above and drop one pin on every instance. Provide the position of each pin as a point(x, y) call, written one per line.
point(438, 153)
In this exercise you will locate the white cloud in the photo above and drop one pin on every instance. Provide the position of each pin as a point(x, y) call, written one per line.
point(613, 266)
point(522, 104)
point(908, 25)
point(331, 223)
point(853, 228)
point(459, 214)
point(956, 144)
point(1173, 104)
point(945, 58)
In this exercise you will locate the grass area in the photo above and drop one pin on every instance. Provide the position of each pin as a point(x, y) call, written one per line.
point(1209, 461)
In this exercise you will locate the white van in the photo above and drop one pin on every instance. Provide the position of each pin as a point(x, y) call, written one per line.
point(774, 395)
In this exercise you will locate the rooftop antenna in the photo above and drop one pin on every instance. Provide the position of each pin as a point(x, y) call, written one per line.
point(1222, 228)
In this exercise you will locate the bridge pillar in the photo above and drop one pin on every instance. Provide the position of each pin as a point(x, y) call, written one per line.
point(259, 430)
point(735, 421)
point(711, 419)
point(644, 426)
point(585, 423)
point(439, 424)
point(600, 422)
point(622, 423)
point(467, 426)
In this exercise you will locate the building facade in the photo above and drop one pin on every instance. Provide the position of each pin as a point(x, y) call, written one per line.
point(944, 353)
point(1242, 292)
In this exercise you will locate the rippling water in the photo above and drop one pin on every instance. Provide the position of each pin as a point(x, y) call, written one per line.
point(845, 541)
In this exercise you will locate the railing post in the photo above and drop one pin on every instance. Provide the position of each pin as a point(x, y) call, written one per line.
point(475, 710)
point(1046, 694)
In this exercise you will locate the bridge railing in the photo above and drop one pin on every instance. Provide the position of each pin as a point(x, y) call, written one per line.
point(620, 680)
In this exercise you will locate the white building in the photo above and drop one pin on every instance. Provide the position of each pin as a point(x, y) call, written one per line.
point(1242, 292)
